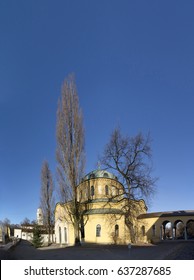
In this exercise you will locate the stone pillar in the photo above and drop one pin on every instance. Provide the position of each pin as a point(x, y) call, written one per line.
point(185, 233)
point(161, 232)
point(164, 232)
point(173, 233)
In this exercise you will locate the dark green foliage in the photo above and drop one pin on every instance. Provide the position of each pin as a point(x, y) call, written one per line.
point(37, 239)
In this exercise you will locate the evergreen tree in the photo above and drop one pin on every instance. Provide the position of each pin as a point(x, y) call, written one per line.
point(37, 238)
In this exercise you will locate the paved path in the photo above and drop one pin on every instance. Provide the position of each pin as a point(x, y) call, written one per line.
point(166, 250)
point(4, 255)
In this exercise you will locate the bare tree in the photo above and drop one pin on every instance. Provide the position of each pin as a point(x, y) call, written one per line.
point(26, 222)
point(6, 222)
point(130, 159)
point(70, 152)
point(47, 198)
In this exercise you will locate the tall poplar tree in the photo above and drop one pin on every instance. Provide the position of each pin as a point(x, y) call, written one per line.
point(70, 152)
point(47, 198)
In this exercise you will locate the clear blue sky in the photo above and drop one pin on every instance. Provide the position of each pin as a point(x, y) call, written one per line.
point(134, 66)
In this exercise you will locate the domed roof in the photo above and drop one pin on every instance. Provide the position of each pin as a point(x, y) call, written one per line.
point(99, 174)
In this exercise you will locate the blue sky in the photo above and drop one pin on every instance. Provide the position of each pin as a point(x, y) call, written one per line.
point(134, 67)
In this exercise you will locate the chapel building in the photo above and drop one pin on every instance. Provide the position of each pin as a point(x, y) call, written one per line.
point(104, 210)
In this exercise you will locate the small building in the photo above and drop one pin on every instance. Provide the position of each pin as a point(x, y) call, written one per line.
point(25, 231)
point(18, 233)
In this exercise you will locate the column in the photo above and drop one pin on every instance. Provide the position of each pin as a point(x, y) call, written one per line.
point(185, 233)
point(161, 232)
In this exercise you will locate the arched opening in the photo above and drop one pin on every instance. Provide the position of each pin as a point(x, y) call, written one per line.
point(65, 234)
point(92, 191)
point(190, 229)
point(179, 229)
point(116, 230)
point(143, 230)
point(60, 235)
point(166, 230)
point(106, 190)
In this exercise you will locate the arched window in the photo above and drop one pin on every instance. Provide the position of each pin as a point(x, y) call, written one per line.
point(98, 230)
point(190, 229)
point(116, 230)
point(106, 190)
point(143, 230)
point(65, 234)
point(92, 176)
point(60, 235)
point(92, 191)
point(105, 174)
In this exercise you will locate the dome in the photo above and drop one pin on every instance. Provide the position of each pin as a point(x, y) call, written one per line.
point(99, 174)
